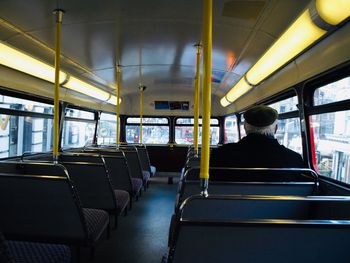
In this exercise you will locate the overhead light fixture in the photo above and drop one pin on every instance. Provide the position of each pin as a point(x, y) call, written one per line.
point(113, 100)
point(238, 90)
point(301, 34)
point(333, 12)
point(15, 59)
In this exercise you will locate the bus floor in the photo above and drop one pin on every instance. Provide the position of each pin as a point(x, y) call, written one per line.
point(141, 236)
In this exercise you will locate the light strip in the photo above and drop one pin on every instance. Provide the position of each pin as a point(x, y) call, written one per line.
point(13, 58)
point(333, 12)
point(301, 34)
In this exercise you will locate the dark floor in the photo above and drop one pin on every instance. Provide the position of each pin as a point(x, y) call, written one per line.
point(141, 236)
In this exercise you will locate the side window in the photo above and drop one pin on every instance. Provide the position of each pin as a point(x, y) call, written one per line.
point(184, 131)
point(231, 129)
point(289, 131)
point(107, 129)
point(154, 130)
point(331, 132)
point(78, 128)
point(27, 126)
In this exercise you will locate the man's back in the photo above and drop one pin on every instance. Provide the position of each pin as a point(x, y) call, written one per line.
point(255, 150)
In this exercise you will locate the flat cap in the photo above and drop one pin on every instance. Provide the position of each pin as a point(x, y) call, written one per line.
point(260, 116)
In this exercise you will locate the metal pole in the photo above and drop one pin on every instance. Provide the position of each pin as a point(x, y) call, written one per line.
point(141, 110)
point(117, 141)
point(59, 16)
point(206, 101)
point(196, 98)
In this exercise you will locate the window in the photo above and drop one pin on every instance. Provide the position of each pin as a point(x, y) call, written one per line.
point(333, 92)
point(107, 129)
point(154, 130)
point(286, 105)
point(78, 128)
point(20, 134)
point(80, 114)
point(289, 134)
point(332, 144)
point(27, 126)
point(184, 131)
point(241, 127)
point(13, 103)
point(231, 129)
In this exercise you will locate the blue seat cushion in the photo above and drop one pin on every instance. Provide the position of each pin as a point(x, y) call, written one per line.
point(123, 200)
point(28, 252)
point(96, 222)
point(153, 170)
point(146, 175)
point(136, 186)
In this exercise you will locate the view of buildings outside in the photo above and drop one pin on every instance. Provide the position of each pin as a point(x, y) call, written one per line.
point(331, 132)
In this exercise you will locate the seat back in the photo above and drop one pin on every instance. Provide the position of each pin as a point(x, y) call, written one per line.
point(42, 206)
point(144, 158)
point(93, 184)
point(133, 163)
point(261, 241)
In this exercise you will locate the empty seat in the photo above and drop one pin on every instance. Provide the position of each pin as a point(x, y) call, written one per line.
point(135, 166)
point(44, 206)
point(145, 161)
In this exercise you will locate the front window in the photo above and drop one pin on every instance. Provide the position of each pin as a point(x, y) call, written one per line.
point(184, 131)
point(289, 134)
point(231, 129)
point(107, 129)
point(154, 130)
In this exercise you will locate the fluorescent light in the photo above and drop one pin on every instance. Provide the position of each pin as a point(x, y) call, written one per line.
point(238, 90)
point(87, 89)
point(113, 100)
point(333, 11)
point(12, 58)
point(224, 102)
point(302, 33)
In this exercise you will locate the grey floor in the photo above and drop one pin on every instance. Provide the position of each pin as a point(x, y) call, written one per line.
point(141, 236)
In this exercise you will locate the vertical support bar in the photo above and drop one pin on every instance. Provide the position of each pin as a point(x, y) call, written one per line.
point(196, 98)
point(141, 111)
point(59, 16)
point(117, 139)
point(206, 101)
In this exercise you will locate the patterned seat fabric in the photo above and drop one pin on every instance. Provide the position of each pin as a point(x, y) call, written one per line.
point(146, 175)
point(153, 170)
point(28, 252)
point(123, 200)
point(5, 256)
point(96, 222)
point(136, 186)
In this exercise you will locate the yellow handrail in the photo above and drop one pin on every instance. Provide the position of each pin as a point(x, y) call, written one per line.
point(117, 139)
point(59, 16)
point(206, 100)
point(141, 110)
point(196, 98)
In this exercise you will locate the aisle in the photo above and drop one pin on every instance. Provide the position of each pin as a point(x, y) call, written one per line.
point(142, 235)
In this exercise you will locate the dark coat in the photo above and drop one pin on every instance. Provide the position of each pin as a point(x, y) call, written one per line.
point(255, 150)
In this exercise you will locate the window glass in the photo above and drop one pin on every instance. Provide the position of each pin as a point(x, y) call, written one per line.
point(286, 105)
point(7, 102)
point(107, 129)
point(332, 144)
point(74, 113)
point(150, 134)
point(147, 120)
point(333, 92)
point(19, 134)
point(231, 129)
point(289, 134)
point(77, 133)
point(191, 121)
point(241, 127)
point(184, 135)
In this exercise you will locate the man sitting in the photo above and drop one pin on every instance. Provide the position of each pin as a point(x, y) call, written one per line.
point(259, 148)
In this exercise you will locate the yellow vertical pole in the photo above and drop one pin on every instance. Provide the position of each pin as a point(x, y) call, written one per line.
point(117, 139)
point(196, 98)
point(59, 16)
point(141, 111)
point(206, 100)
